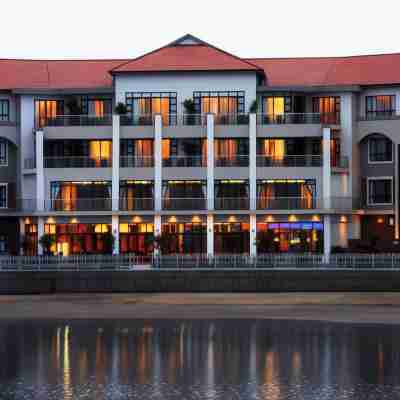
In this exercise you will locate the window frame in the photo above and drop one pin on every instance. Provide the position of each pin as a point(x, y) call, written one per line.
point(239, 95)
point(4, 105)
point(4, 184)
point(369, 152)
point(131, 96)
point(379, 178)
point(374, 112)
point(5, 143)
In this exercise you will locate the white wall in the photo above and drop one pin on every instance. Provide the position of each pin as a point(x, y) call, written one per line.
point(187, 83)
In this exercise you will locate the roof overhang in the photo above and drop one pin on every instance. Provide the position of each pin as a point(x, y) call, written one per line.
point(102, 90)
point(309, 89)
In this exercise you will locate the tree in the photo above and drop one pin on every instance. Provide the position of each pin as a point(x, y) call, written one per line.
point(46, 241)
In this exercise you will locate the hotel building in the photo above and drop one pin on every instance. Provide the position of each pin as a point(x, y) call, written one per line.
point(214, 153)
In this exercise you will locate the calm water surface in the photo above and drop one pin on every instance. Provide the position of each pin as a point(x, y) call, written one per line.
point(271, 360)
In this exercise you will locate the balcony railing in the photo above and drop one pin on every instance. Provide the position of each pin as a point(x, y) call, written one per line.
point(185, 161)
point(94, 204)
point(136, 204)
point(187, 119)
point(298, 118)
point(231, 203)
point(239, 160)
point(231, 119)
point(305, 160)
point(174, 203)
point(136, 162)
point(77, 162)
point(288, 203)
point(379, 115)
point(17, 205)
point(137, 120)
point(76, 120)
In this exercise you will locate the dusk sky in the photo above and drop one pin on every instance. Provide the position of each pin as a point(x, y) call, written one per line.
point(127, 29)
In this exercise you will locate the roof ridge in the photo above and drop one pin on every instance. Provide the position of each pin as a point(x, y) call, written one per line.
point(323, 57)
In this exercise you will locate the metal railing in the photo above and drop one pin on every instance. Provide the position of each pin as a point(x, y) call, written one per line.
point(298, 118)
point(237, 160)
point(185, 161)
point(131, 262)
point(77, 162)
point(76, 120)
point(231, 203)
point(305, 160)
point(136, 204)
point(231, 119)
point(137, 120)
point(136, 162)
point(288, 203)
point(17, 205)
point(379, 116)
point(182, 203)
point(188, 119)
point(92, 204)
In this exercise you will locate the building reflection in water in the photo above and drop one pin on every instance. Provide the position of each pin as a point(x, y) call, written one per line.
point(268, 359)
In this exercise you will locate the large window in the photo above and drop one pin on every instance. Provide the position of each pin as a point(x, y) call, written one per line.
point(146, 104)
point(231, 152)
point(3, 152)
point(3, 195)
point(47, 110)
point(380, 149)
point(136, 153)
point(329, 108)
point(380, 107)
point(184, 195)
point(96, 107)
point(187, 152)
point(219, 102)
point(136, 238)
point(184, 238)
point(136, 195)
point(231, 238)
point(277, 105)
point(4, 110)
point(380, 191)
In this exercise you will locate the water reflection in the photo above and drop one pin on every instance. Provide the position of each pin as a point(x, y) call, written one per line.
point(272, 360)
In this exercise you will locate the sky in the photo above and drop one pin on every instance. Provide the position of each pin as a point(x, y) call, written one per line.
point(54, 29)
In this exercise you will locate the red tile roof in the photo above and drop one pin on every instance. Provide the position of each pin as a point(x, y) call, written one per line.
point(196, 57)
point(65, 74)
point(356, 70)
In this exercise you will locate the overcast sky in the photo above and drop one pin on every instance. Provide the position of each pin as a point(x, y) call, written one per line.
point(249, 28)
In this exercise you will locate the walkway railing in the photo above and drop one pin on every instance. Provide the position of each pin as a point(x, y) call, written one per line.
point(298, 118)
point(76, 120)
point(185, 161)
point(305, 262)
point(77, 162)
point(237, 160)
point(304, 160)
point(136, 161)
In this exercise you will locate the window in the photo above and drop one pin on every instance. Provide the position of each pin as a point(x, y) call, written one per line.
point(380, 191)
point(3, 244)
point(96, 107)
point(150, 103)
point(328, 107)
point(380, 150)
point(3, 152)
point(219, 102)
point(275, 105)
point(3, 195)
point(4, 110)
point(47, 110)
point(379, 107)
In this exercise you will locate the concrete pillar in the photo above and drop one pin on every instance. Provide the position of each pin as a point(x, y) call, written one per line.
point(40, 192)
point(40, 233)
point(326, 168)
point(253, 160)
point(327, 236)
point(396, 192)
point(21, 234)
point(253, 234)
point(115, 163)
point(210, 161)
point(157, 162)
point(115, 232)
point(157, 230)
point(355, 227)
point(210, 234)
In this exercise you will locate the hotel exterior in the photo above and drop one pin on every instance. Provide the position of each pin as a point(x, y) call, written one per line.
point(209, 152)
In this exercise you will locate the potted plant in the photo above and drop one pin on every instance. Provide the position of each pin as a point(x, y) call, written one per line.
point(47, 241)
point(121, 109)
point(190, 111)
point(254, 107)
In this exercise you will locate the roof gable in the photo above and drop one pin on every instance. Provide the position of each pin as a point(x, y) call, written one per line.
point(187, 53)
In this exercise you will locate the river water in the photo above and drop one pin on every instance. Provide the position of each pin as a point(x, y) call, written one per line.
point(235, 359)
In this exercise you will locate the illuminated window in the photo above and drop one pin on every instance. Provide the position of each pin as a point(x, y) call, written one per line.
point(328, 107)
point(47, 110)
point(377, 107)
point(229, 102)
point(96, 107)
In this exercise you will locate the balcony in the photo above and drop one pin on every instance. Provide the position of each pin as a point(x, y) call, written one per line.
point(288, 203)
point(185, 161)
point(379, 116)
point(239, 160)
point(76, 120)
point(305, 160)
point(19, 205)
point(136, 204)
point(77, 162)
point(298, 118)
point(231, 119)
point(93, 204)
point(173, 203)
point(136, 162)
point(231, 203)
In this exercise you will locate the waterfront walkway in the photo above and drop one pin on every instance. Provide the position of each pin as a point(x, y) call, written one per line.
point(338, 307)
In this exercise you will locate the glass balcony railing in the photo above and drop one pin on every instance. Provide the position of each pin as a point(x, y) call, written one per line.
point(185, 161)
point(288, 203)
point(379, 115)
point(93, 204)
point(239, 160)
point(77, 162)
point(136, 162)
point(136, 204)
point(298, 118)
point(231, 203)
point(75, 120)
point(173, 203)
point(305, 160)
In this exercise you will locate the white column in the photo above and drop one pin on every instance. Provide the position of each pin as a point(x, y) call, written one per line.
point(21, 235)
point(253, 161)
point(253, 234)
point(210, 234)
point(326, 168)
point(157, 162)
point(210, 161)
point(115, 163)
point(40, 230)
point(115, 232)
point(327, 236)
point(40, 193)
point(157, 230)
